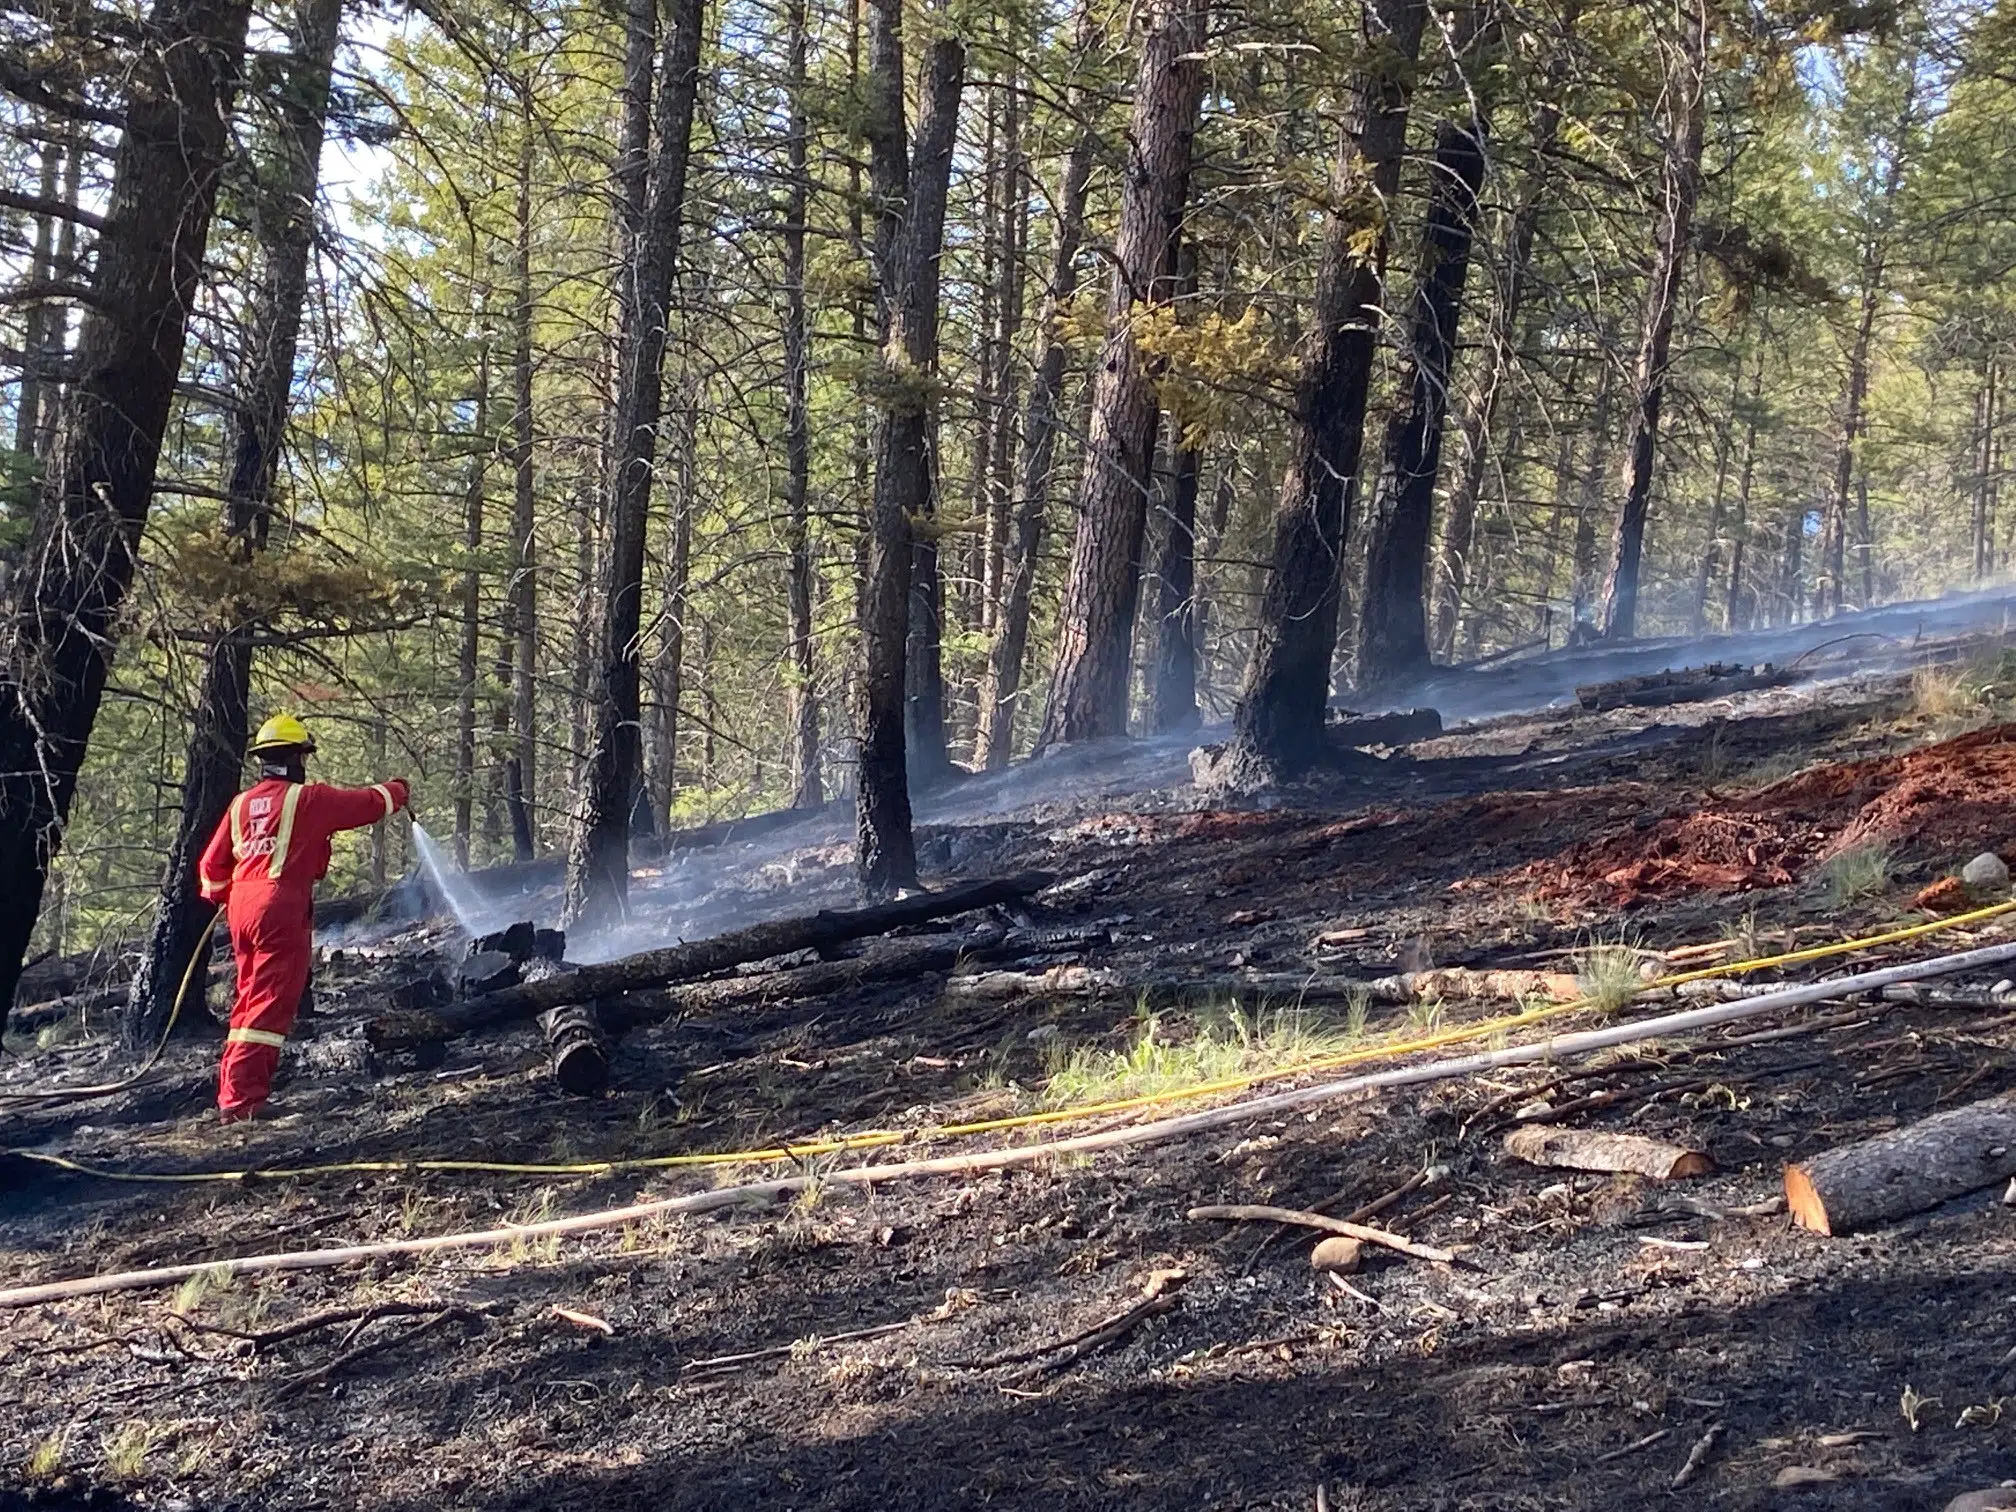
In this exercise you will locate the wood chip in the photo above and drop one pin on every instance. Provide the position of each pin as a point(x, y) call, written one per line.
point(584, 1320)
point(1336, 1253)
point(1802, 1477)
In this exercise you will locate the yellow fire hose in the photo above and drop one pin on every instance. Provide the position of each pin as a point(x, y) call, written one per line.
point(102, 1089)
point(799, 1151)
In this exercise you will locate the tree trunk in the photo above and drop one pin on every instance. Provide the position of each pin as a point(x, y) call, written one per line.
point(524, 596)
point(668, 671)
point(1001, 683)
point(805, 786)
point(1741, 597)
point(1089, 682)
point(1698, 622)
point(469, 653)
point(598, 863)
point(1172, 680)
point(909, 193)
point(1680, 186)
point(35, 341)
point(255, 429)
point(1393, 621)
point(1014, 238)
point(1278, 728)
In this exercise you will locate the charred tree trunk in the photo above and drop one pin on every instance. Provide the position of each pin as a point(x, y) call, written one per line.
point(1393, 621)
point(255, 429)
point(598, 863)
point(1680, 186)
point(1089, 683)
point(910, 192)
point(1278, 728)
point(469, 652)
point(1001, 683)
point(1173, 703)
point(805, 785)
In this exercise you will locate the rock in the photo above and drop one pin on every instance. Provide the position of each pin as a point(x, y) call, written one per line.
point(1994, 1499)
point(487, 971)
point(1802, 1478)
point(1336, 1253)
point(1986, 876)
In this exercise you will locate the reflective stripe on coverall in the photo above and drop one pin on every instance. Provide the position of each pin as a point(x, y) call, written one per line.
point(262, 865)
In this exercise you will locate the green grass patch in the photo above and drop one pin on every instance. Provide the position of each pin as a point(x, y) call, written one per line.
point(1170, 1053)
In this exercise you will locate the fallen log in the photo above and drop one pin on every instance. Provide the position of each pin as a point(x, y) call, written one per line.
point(655, 968)
point(1690, 685)
point(1905, 1171)
point(574, 1042)
point(1593, 1150)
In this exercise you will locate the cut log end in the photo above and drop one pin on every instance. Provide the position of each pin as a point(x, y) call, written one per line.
point(1804, 1204)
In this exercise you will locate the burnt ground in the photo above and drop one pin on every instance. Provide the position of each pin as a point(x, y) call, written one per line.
point(1593, 1331)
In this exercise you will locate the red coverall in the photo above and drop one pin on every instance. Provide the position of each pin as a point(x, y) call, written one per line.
point(262, 866)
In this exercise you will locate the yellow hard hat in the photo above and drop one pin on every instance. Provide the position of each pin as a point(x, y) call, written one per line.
point(282, 732)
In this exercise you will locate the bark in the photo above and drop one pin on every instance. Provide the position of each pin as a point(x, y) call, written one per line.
point(668, 670)
point(804, 713)
point(469, 652)
point(1278, 727)
point(598, 863)
point(1001, 683)
point(909, 193)
point(655, 968)
point(524, 594)
point(254, 431)
point(1905, 1171)
point(1089, 681)
point(1393, 620)
point(1680, 187)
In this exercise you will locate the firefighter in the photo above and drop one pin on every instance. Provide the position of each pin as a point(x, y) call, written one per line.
point(261, 867)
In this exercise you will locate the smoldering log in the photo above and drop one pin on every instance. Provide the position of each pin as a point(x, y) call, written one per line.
point(1594, 1150)
point(1690, 685)
point(823, 931)
point(574, 1040)
point(1905, 1171)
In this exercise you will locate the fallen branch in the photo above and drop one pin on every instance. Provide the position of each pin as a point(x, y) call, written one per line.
point(1636, 1446)
point(1905, 1171)
point(1698, 1456)
point(266, 1338)
point(654, 968)
point(1593, 1150)
point(323, 1371)
point(1157, 1131)
point(795, 1347)
point(1259, 1213)
point(1161, 1297)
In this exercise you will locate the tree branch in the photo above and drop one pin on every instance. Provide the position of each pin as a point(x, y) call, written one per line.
point(36, 204)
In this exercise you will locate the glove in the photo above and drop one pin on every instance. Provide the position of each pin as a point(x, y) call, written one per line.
point(401, 792)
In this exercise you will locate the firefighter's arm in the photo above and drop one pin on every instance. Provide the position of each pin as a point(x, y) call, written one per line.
point(213, 869)
point(353, 808)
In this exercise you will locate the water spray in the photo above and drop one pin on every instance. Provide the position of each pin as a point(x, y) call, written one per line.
point(450, 882)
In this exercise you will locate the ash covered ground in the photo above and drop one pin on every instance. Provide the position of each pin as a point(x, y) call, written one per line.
point(1593, 1331)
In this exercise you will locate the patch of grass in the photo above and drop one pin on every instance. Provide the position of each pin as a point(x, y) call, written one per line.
point(1716, 761)
point(1217, 1047)
point(545, 1247)
point(1424, 1016)
point(46, 1462)
point(1357, 1007)
point(1860, 871)
point(126, 1451)
point(1940, 692)
point(191, 1294)
point(1743, 931)
point(1608, 975)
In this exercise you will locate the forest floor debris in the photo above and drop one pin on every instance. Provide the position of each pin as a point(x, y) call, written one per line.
point(754, 1360)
